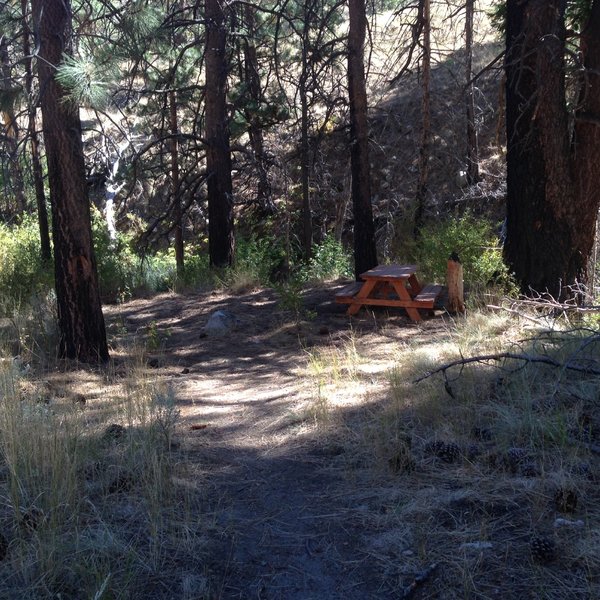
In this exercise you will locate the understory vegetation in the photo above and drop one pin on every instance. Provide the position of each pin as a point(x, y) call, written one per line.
point(483, 468)
point(125, 272)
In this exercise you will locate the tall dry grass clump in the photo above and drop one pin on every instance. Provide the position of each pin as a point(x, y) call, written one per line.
point(88, 508)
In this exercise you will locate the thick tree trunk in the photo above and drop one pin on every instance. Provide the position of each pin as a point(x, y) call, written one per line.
point(81, 323)
point(365, 252)
point(218, 157)
point(586, 141)
point(36, 162)
point(542, 245)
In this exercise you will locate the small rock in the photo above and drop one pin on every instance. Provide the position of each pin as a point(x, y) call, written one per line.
point(220, 323)
point(476, 546)
point(560, 522)
point(185, 371)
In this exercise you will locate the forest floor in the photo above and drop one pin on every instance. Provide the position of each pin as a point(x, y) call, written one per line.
point(307, 465)
point(290, 519)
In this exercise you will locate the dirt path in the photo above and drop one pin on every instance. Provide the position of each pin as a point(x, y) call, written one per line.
point(280, 506)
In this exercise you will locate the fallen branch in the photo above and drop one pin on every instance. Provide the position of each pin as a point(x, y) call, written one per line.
point(528, 358)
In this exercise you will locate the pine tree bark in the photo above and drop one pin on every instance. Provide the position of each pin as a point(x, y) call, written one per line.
point(221, 241)
point(12, 130)
point(81, 323)
point(424, 150)
point(472, 142)
point(307, 223)
point(365, 252)
point(551, 200)
point(255, 133)
point(177, 212)
point(34, 145)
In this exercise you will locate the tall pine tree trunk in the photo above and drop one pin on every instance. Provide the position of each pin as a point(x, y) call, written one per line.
point(424, 150)
point(586, 141)
point(365, 252)
point(255, 133)
point(472, 144)
point(177, 216)
point(218, 157)
point(81, 323)
point(11, 127)
point(34, 146)
point(307, 229)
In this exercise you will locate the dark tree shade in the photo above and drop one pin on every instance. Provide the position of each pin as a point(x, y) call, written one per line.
point(365, 253)
point(81, 323)
point(218, 156)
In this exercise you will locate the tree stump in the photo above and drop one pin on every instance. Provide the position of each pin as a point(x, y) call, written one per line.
point(454, 280)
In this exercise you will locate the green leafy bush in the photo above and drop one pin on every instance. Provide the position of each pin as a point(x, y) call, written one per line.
point(329, 261)
point(22, 273)
point(476, 243)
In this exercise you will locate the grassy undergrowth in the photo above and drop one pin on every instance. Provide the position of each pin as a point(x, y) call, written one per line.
point(89, 507)
point(479, 466)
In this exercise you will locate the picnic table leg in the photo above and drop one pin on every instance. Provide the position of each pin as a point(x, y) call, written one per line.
point(362, 294)
point(403, 294)
point(415, 286)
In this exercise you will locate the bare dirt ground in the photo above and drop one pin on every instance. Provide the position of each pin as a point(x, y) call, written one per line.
point(287, 517)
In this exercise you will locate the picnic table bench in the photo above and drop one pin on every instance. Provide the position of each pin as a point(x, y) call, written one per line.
point(393, 286)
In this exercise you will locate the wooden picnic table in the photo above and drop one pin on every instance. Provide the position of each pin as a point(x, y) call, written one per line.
point(393, 286)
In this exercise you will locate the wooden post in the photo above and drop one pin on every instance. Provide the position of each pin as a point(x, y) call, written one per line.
point(454, 280)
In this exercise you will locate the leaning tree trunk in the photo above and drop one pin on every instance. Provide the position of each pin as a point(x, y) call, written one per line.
point(218, 156)
point(365, 252)
point(542, 229)
point(36, 162)
point(81, 323)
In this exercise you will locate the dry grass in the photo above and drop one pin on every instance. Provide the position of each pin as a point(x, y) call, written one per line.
point(88, 503)
point(469, 479)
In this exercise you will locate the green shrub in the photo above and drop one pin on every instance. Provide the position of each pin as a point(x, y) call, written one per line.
point(22, 273)
point(476, 243)
point(329, 261)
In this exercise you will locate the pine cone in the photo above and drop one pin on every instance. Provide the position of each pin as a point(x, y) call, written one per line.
point(543, 549)
point(448, 451)
point(565, 500)
point(513, 458)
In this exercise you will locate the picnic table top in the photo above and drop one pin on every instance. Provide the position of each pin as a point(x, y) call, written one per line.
point(390, 272)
